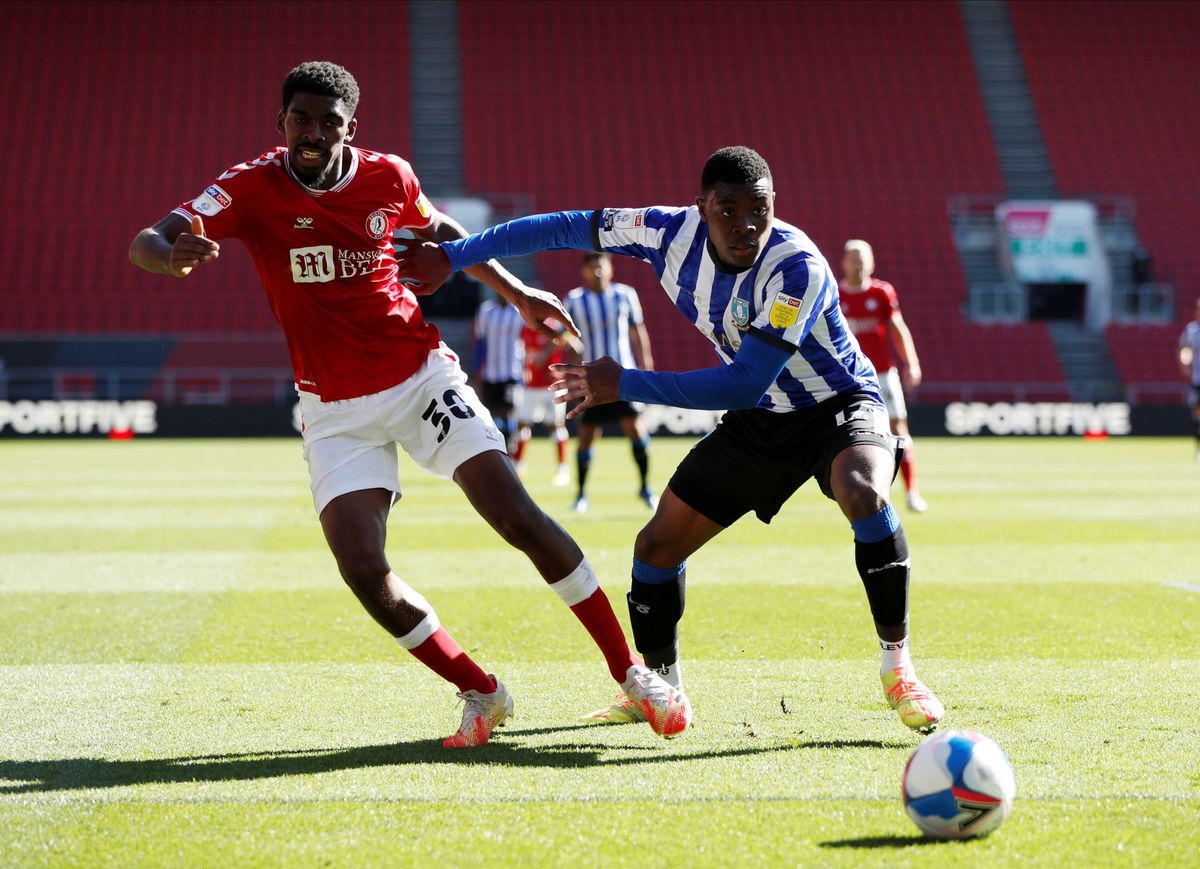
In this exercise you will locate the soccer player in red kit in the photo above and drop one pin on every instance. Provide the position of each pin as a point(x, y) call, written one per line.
point(317, 216)
point(537, 403)
point(872, 309)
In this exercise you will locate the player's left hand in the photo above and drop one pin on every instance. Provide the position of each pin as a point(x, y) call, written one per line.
point(423, 266)
point(538, 306)
point(590, 384)
point(912, 376)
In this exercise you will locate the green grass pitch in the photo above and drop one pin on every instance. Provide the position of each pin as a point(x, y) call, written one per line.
point(185, 681)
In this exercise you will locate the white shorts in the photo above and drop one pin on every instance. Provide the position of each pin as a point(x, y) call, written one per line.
point(537, 405)
point(350, 445)
point(893, 394)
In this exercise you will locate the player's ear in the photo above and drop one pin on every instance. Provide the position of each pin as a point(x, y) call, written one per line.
point(279, 123)
point(351, 129)
point(700, 202)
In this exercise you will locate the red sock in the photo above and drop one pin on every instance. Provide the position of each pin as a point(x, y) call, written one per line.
point(444, 656)
point(520, 450)
point(562, 451)
point(908, 469)
point(596, 614)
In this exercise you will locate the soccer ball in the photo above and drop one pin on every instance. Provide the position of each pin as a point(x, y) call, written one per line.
point(957, 785)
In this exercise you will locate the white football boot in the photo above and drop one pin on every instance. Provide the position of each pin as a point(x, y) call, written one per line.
point(482, 713)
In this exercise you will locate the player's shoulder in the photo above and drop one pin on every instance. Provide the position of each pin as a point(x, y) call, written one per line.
point(883, 287)
point(623, 289)
point(575, 294)
point(249, 170)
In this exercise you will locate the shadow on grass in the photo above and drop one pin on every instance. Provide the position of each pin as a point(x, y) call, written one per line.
point(883, 842)
point(40, 776)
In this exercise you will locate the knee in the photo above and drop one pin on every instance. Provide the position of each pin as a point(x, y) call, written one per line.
point(860, 498)
point(363, 569)
point(655, 548)
point(522, 526)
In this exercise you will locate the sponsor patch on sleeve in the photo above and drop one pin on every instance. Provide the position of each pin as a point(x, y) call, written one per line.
point(424, 207)
point(625, 218)
point(212, 201)
point(785, 311)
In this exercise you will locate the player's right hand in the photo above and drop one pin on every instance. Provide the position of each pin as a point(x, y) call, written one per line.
point(192, 249)
point(423, 266)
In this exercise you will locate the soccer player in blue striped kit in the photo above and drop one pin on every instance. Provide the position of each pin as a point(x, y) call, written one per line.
point(803, 403)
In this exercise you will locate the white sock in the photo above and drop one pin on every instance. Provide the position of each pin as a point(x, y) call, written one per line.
point(672, 673)
point(894, 655)
point(578, 585)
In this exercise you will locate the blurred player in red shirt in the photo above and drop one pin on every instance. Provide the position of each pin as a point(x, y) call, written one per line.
point(537, 402)
point(317, 216)
point(872, 309)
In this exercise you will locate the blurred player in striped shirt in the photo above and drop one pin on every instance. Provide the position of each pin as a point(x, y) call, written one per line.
point(500, 363)
point(872, 309)
point(609, 317)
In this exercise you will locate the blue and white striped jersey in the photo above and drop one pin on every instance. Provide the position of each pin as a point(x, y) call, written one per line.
point(789, 297)
point(498, 327)
point(604, 320)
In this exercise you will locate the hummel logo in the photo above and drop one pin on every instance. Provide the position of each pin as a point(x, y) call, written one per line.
point(303, 223)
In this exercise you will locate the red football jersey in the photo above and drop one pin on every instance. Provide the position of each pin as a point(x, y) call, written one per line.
point(326, 262)
point(539, 376)
point(868, 313)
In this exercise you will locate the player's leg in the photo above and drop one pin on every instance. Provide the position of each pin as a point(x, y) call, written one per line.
point(558, 413)
point(355, 526)
point(893, 399)
point(860, 479)
point(499, 497)
point(634, 428)
point(588, 434)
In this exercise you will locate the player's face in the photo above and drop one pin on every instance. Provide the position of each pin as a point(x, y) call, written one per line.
point(739, 219)
point(597, 273)
point(852, 266)
point(315, 128)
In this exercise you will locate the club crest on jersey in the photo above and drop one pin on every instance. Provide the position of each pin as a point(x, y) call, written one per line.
point(212, 201)
point(785, 311)
point(377, 225)
point(740, 310)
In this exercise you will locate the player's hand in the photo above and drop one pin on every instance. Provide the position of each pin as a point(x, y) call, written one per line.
point(538, 306)
point(424, 266)
point(192, 249)
point(590, 384)
point(912, 376)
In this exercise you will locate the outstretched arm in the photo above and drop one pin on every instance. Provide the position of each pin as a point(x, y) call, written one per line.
point(740, 384)
point(536, 306)
point(427, 266)
point(168, 248)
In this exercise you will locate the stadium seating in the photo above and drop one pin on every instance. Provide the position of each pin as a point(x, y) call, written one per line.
point(1114, 69)
point(870, 120)
point(142, 106)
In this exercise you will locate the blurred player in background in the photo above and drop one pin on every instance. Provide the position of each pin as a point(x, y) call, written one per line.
point(609, 317)
point(803, 403)
point(1189, 365)
point(872, 309)
point(537, 402)
point(500, 363)
point(318, 217)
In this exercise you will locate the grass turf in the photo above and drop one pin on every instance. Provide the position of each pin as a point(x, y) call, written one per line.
point(185, 681)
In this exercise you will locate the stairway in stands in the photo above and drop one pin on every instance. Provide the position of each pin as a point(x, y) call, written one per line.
point(1024, 161)
point(1086, 362)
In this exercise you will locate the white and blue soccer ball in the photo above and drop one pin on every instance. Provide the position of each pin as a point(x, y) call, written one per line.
point(958, 785)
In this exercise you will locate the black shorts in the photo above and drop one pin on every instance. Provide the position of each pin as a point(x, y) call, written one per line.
point(612, 412)
point(756, 459)
point(500, 397)
point(1194, 396)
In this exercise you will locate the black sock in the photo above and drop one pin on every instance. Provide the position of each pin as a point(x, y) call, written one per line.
point(884, 568)
point(583, 461)
point(641, 456)
point(654, 613)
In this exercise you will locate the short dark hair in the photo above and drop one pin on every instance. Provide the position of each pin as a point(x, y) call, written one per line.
point(323, 78)
point(736, 164)
point(595, 255)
